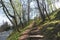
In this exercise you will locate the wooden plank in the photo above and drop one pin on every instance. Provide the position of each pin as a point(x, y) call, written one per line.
point(37, 36)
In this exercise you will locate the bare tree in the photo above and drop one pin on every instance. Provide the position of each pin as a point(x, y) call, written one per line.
point(41, 13)
point(44, 8)
point(14, 17)
point(28, 10)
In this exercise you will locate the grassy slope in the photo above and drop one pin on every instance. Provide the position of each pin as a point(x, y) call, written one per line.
point(15, 34)
point(53, 14)
point(49, 27)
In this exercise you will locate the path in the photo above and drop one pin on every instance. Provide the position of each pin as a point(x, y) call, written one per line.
point(30, 33)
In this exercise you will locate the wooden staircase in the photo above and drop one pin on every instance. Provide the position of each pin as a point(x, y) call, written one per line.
point(32, 33)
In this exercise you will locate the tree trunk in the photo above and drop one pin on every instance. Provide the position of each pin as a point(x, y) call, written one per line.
point(28, 10)
point(42, 14)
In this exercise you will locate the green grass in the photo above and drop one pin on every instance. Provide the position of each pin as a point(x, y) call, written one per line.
point(16, 34)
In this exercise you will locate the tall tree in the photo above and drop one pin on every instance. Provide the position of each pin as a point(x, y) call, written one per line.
point(9, 16)
point(28, 10)
point(44, 8)
point(42, 14)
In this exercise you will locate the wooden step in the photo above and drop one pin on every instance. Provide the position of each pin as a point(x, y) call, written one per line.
point(36, 36)
point(34, 32)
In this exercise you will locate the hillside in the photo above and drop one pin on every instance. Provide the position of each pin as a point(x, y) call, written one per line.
point(49, 29)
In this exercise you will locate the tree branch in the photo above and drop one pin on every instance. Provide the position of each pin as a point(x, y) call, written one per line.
point(6, 9)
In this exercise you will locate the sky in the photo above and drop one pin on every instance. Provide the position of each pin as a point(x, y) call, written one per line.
point(3, 18)
point(57, 4)
point(33, 5)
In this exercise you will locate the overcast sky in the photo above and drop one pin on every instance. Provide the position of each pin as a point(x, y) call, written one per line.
point(3, 18)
